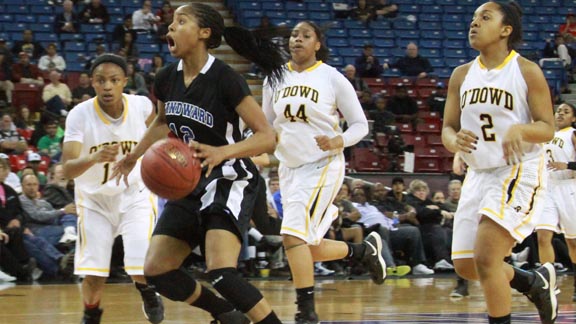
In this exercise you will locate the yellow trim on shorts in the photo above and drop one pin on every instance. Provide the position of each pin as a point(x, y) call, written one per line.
point(153, 215)
point(316, 193)
point(81, 217)
point(94, 269)
point(500, 213)
point(462, 252)
point(336, 189)
point(134, 268)
point(535, 196)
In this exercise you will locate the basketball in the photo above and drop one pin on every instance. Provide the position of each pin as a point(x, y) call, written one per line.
point(170, 170)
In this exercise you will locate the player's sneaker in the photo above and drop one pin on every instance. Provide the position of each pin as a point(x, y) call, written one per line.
point(233, 317)
point(305, 316)
point(152, 305)
point(461, 289)
point(92, 316)
point(543, 293)
point(373, 258)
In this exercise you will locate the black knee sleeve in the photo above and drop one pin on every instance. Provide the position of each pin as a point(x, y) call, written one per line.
point(176, 285)
point(229, 283)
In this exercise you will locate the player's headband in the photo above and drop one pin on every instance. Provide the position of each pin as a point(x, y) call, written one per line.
point(109, 58)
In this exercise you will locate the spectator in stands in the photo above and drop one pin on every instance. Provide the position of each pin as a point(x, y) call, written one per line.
point(6, 51)
point(568, 29)
point(144, 20)
point(166, 14)
point(49, 144)
point(12, 178)
point(157, 65)
point(437, 99)
point(136, 83)
point(84, 90)
point(57, 192)
point(24, 119)
point(401, 105)
point(51, 60)
point(54, 225)
point(454, 191)
point(381, 116)
point(396, 201)
point(100, 49)
point(121, 29)
point(11, 142)
point(26, 72)
point(28, 45)
point(128, 47)
point(556, 52)
point(368, 65)
point(67, 21)
point(367, 102)
point(431, 217)
point(412, 64)
point(438, 197)
point(33, 163)
point(401, 238)
point(6, 84)
point(385, 9)
point(363, 12)
point(95, 13)
point(56, 95)
point(358, 83)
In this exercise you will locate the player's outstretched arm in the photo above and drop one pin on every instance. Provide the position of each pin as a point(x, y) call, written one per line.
point(155, 132)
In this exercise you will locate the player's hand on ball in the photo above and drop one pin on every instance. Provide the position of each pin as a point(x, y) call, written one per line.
point(211, 156)
point(512, 145)
point(466, 141)
point(122, 169)
point(326, 143)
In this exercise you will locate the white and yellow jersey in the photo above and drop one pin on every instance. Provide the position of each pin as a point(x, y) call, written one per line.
point(305, 105)
point(88, 124)
point(491, 101)
point(561, 149)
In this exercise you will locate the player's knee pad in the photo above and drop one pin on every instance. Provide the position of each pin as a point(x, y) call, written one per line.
point(229, 283)
point(176, 285)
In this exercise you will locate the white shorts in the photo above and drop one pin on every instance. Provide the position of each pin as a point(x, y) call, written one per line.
point(307, 195)
point(559, 208)
point(512, 196)
point(131, 215)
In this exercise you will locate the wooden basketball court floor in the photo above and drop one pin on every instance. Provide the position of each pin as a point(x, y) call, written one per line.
point(406, 300)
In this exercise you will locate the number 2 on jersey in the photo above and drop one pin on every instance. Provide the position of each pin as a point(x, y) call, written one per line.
point(185, 132)
point(488, 136)
point(300, 114)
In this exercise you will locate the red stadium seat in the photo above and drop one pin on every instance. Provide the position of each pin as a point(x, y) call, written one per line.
point(427, 165)
point(428, 128)
point(427, 151)
point(433, 139)
point(404, 128)
point(27, 94)
point(44, 164)
point(365, 160)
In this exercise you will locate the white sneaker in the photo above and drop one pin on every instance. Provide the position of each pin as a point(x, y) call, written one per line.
point(443, 265)
point(521, 256)
point(69, 235)
point(6, 277)
point(421, 269)
point(320, 270)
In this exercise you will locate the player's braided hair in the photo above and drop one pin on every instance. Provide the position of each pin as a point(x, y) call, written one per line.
point(262, 52)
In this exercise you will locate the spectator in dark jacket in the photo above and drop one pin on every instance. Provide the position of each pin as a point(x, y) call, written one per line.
point(67, 21)
point(412, 64)
point(95, 13)
point(367, 65)
point(28, 45)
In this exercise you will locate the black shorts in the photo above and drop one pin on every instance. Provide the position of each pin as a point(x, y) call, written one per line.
point(183, 220)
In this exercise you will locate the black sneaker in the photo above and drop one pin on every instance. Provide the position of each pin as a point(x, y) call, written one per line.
point(461, 290)
point(373, 258)
point(66, 265)
point(92, 316)
point(543, 293)
point(233, 317)
point(152, 305)
point(306, 317)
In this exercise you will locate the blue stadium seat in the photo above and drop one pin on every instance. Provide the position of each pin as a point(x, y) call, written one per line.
point(407, 34)
point(456, 34)
point(17, 9)
point(248, 5)
point(437, 62)
point(116, 11)
point(384, 43)
point(74, 57)
point(12, 2)
point(277, 5)
point(455, 9)
point(6, 18)
point(91, 28)
point(430, 43)
point(92, 47)
point(44, 10)
point(531, 27)
point(74, 46)
point(149, 48)
point(45, 19)
point(553, 65)
point(454, 62)
point(75, 67)
point(453, 43)
point(248, 14)
point(298, 15)
point(322, 7)
point(428, 17)
point(538, 19)
point(429, 52)
point(454, 25)
point(319, 17)
point(351, 23)
point(430, 25)
point(389, 73)
point(404, 25)
point(360, 33)
point(531, 3)
point(295, 6)
point(455, 53)
point(335, 33)
point(39, 28)
point(90, 38)
point(442, 72)
point(454, 18)
point(336, 61)
point(350, 51)
point(411, 9)
point(46, 37)
point(19, 27)
point(446, 2)
point(557, 3)
point(380, 24)
point(382, 33)
point(29, 19)
point(359, 42)
point(71, 37)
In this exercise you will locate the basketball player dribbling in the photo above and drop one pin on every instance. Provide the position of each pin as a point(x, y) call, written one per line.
point(498, 112)
point(98, 132)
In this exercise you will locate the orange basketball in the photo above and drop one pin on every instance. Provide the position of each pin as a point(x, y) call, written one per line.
point(170, 170)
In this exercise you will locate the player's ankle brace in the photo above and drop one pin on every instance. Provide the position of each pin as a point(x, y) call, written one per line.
point(176, 285)
point(229, 283)
point(522, 280)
